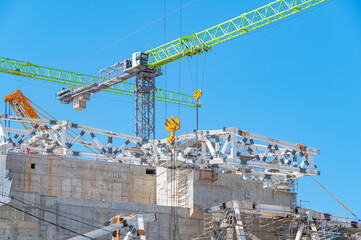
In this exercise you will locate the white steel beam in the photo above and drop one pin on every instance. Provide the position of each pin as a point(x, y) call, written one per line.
point(314, 233)
point(269, 160)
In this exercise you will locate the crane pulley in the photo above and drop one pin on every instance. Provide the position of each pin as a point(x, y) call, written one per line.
point(197, 94)
point(172, 125)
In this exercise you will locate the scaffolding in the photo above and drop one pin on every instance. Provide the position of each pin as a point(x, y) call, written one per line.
point(236, 220)
point(184, 177)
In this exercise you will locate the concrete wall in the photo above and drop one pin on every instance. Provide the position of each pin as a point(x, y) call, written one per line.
point(94, 191)
point(65, 212)
point(231, 186)
point(77, 178)
point(204, 194)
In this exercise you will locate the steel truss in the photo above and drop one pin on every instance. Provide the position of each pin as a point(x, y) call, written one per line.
point(240, 220)
point(145, 95)
point(251, 155)
point(274, 162)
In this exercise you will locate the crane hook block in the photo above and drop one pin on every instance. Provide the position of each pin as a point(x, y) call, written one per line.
point(172, 124)
point(197, 94)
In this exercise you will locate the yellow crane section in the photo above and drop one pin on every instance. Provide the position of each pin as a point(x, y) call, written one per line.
point(25, 108)
point(22, 107)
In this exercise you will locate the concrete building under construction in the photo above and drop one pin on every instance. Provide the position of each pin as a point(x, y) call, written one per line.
point(228, 184)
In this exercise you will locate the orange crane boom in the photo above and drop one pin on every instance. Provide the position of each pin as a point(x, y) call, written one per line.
point(24, 107)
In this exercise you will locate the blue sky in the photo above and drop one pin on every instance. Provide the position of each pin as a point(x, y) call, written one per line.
point(298, 81)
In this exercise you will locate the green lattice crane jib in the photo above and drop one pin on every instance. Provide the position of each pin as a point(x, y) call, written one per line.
point(203, 41)
point(72, 79)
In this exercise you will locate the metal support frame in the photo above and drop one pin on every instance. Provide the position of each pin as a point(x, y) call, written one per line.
point(264, 221)
point(300, 231)
point(134, 222)
point(145, 105)
point(311, 222)
point(223, 222)
point(251, 155)
point(54, 140)
point(274, 162)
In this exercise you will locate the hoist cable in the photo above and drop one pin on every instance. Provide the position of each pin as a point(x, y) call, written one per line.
point(129, 35)
point(180, 60)
point(204, 67)
point(165, 67)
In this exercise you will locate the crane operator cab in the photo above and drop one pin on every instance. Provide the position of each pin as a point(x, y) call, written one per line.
point(137, 63)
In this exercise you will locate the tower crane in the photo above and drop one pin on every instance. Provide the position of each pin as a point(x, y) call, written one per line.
point(145, 66)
